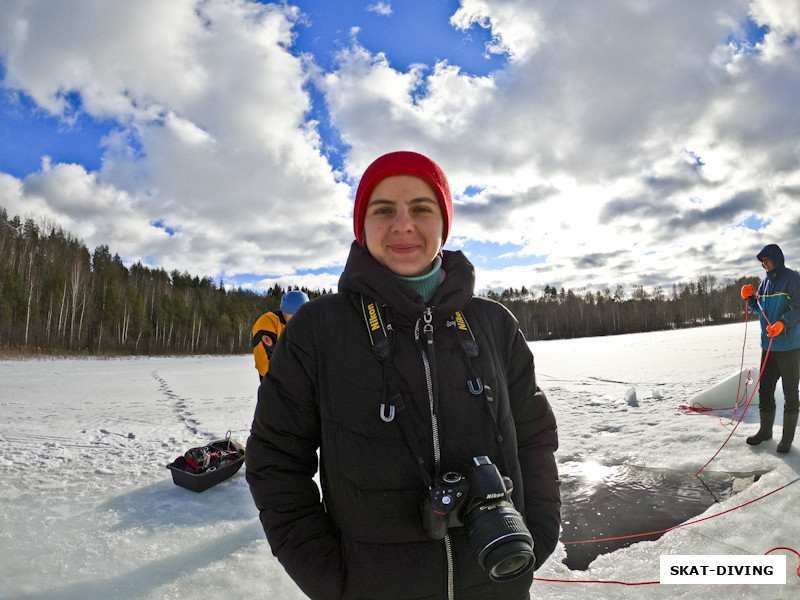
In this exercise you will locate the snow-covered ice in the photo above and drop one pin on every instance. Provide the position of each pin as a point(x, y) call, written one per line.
point(88, 509)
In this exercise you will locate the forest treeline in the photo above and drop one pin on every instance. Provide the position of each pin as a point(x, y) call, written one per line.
point(553, 313)
point(57, 297)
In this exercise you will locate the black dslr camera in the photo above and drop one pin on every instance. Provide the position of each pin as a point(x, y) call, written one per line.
point(481, 503)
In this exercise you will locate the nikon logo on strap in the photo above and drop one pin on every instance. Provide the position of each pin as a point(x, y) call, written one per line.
point(461, 323)
point(375, 328)
point(372, 317)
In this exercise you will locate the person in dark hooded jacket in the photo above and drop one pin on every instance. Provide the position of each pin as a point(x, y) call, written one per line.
point(392, 385)
point(777, 302)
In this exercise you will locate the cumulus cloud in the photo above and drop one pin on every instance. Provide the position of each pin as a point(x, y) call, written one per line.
point(648, 130)
point(213, 137)
point(510, 35)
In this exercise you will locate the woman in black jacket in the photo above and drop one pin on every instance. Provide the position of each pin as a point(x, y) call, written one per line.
point(397, 384)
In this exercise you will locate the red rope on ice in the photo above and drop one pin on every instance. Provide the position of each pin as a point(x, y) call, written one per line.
point(741, 365)
point(697, 407)
point(595, 581)
point(790, 550)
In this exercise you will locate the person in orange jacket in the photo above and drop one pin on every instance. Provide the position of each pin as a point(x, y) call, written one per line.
point(269, 326)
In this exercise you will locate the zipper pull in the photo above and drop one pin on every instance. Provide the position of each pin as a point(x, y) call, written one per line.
point(427, 328)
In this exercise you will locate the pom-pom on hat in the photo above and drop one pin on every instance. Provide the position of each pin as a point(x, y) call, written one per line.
point(402, 163)
point(291, 301)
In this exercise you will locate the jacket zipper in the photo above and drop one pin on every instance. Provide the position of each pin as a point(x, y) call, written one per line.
point(429, 362)
point(431, 379)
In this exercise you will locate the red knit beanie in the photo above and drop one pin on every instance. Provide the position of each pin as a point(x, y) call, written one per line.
point(402, 163)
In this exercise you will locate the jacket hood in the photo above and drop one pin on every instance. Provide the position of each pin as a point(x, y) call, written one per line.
point(363, 274)
point(774, 253)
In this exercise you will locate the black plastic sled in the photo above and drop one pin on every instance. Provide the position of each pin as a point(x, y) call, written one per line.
point(206, 466)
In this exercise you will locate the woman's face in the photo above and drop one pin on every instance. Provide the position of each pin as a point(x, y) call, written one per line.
point(403, 225)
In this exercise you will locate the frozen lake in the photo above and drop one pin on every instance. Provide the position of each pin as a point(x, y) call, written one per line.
point(88, 509)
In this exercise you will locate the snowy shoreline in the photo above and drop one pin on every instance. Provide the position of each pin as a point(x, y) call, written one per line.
point(88, 509)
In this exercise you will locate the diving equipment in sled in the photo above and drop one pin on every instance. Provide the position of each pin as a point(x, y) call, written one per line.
point(205, 466)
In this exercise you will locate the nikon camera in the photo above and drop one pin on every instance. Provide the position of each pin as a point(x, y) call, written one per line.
point(481, 503)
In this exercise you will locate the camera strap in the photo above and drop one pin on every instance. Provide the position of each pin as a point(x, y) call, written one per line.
point(379, 330)
point(476, 385)
point(393, 405)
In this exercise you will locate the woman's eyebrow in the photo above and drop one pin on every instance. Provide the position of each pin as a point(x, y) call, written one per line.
point(419, 200)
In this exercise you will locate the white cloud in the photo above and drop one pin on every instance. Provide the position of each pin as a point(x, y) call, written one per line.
point(213, 138)
point(512, 35)
point(781, 16)
point(381, 8)
point(586, 146)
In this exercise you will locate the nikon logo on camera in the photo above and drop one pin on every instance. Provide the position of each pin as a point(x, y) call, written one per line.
point(497, 534)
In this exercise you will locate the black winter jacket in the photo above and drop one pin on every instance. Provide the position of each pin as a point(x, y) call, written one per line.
point(364, 540)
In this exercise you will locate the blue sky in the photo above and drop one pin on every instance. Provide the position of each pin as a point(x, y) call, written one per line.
point(586, 146)
point(29, 133)
point(414, 31)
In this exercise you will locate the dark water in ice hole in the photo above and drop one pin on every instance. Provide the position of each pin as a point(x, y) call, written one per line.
point(602, 501)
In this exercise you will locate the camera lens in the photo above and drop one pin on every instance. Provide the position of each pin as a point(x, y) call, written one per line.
point(500, 540)
point(508, 560)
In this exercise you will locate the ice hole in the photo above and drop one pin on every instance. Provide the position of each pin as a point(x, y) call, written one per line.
point(606, 501)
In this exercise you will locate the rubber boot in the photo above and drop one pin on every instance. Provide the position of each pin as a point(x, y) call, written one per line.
point(765, 431)
point(789, 424)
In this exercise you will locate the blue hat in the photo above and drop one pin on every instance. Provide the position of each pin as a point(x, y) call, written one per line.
point(292, 300)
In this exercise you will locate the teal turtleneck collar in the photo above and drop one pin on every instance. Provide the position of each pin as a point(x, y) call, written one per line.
point(425, 285)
